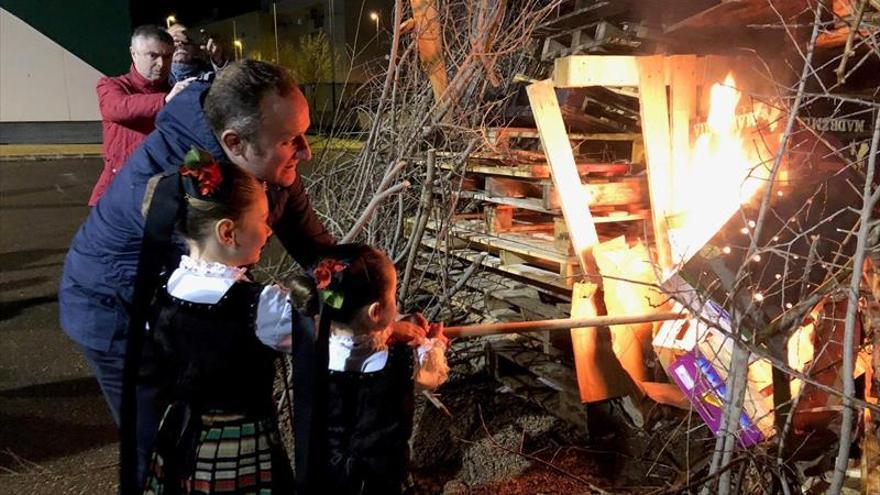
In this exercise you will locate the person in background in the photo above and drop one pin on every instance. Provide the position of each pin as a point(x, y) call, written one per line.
point(129, 103)
point(191, 58)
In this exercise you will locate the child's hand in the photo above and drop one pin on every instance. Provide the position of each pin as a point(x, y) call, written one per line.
point(417, 319)
point(435, 331)
point(410, 330)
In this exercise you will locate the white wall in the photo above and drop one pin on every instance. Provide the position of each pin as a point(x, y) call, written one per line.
point(40, 81)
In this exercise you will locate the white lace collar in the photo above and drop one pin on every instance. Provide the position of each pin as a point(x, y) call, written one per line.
point(369, 342)
point(210, 268)
point(361, 353)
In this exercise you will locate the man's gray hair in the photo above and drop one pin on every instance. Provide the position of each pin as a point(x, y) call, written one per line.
point(233, 102)
point(151, 31)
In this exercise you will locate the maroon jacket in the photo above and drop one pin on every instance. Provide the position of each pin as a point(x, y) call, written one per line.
point(129, 105)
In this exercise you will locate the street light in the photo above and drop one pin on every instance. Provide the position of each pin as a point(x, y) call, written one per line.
point(375, 17)
point(170, 20)
point(239, 48)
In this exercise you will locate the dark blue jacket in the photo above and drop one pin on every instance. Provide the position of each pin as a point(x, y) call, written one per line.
point(97, 284)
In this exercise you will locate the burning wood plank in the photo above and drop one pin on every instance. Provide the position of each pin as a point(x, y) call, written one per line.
point(655, 127)
point(683, 94)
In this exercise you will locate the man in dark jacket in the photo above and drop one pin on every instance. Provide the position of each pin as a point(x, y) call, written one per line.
point(192, 58)
point(129, 103)
point(254, 116)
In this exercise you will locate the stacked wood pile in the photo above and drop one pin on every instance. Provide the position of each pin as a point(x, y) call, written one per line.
point(511, 221)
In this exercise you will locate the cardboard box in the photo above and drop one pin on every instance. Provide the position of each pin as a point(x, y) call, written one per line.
point(704, 387)
point(705, 338)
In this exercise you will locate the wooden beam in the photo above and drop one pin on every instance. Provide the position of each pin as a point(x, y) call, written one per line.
point(507, 327)
point(429, 40)
point(557, 148)
point(600, 375)
point(655, 129)
point(683, 93)
point(595, 70)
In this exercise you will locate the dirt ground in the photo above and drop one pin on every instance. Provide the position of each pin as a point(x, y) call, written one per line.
point(57, 436)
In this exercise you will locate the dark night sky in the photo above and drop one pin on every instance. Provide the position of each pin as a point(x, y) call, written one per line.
point(188, 11)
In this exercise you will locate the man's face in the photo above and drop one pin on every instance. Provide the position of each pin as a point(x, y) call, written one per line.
point(151, 58)
point(184, 48)
point(280, 143)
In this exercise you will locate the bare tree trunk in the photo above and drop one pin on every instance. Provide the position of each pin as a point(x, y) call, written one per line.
point(419, 227)
point(870, 195)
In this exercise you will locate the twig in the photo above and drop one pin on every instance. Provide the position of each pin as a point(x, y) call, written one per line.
point(870, 200)
point(24, 462)
point(371, 208)
point(736, 380)
point(708, 478)
point(462, 280)
point(847, 50)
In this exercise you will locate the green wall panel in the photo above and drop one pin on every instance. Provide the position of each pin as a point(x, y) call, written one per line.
point(96, 31)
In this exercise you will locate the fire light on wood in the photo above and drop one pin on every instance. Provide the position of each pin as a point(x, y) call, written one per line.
point(574, 198)
point(599, 374)
point(727, 164)
point(698, 176)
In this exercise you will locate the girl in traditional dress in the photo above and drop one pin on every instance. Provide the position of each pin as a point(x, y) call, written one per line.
point(364, 440)
point(216, 335)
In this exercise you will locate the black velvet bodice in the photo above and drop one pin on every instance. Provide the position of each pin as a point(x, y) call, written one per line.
point(209, 356)
point(369, 424)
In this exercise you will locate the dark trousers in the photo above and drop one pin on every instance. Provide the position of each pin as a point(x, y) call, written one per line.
point(107, 367)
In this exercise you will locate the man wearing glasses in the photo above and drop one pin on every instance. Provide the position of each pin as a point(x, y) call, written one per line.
point(193, 56)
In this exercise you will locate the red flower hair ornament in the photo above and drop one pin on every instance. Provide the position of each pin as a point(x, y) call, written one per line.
point(199, 164)
point(324, 274)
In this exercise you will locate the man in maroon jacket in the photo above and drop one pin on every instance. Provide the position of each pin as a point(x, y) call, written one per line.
point(129, 103)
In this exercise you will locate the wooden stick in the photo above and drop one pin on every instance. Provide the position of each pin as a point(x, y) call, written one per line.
point(558, 324)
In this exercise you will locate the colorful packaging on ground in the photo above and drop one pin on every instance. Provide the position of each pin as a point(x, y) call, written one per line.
point(705, 389)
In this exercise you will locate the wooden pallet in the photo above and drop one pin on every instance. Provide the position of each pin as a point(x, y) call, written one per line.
point(601, 215)
point(541, 279)
point(492, 277)
point(516, 248)
point(596, 37)
point(523, 144)
point(527, 138)
point(528, 301)
point(487, 293)
point(630, 191)
point(573, 13)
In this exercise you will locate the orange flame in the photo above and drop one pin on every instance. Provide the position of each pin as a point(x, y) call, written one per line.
point(727, 165)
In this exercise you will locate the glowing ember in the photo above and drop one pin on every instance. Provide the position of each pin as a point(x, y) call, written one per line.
point(728, 164)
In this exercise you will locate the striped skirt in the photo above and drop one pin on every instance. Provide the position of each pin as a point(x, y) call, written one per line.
point(232, 455)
